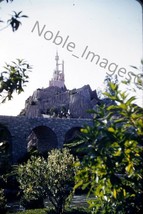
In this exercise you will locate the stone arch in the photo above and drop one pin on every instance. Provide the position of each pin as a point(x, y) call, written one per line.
point(72, 138)
point(42, 138)
point(72, 135)
point(6, 145)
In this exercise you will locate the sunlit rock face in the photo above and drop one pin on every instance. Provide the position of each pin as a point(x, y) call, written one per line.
point(57, 101)
point(61, 102)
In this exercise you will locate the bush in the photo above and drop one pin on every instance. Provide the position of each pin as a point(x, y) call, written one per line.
point(52, 178)
point(113, 170)
point(60, 178)
point(31, 177)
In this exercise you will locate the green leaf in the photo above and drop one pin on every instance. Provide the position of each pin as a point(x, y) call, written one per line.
point(80, 183)
point(113, 86)
point(114, 193)
point(113, 107)
point(129, 168)
point(91, 111)
point(133, 98)
point(111, 129)
point(84, 130)
point(123, 106)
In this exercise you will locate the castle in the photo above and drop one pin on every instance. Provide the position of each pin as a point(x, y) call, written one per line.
point(58, 75)
point(58, 101)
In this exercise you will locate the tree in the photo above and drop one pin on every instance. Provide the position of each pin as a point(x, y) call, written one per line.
point(107, 81)
point(60, 178)
point(15, 75)
point(31, 177)
point(14, 78)
point(112, 169)
point(52, 178)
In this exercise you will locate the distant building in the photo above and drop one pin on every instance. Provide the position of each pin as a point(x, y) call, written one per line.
point(58, 75)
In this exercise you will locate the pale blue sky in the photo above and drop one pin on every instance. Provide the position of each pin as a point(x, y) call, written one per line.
point(111, 29)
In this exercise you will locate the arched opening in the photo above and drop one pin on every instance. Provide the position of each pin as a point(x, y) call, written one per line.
point(5, 149)
point(73, 138)
point(43, 139)
point(72, 135)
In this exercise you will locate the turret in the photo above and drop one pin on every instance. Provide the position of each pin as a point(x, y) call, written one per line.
point(58, 75)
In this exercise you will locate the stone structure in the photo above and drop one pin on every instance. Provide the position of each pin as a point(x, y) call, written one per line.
point(57, 101)
point(51, 117)
point(48, 132)
point(58, 75)
point(60, 102)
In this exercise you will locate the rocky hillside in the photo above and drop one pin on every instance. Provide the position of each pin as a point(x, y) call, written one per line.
point(60, 102)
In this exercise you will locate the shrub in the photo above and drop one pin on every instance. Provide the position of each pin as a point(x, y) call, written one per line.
point(112, 169)
point(52, 178)
point(31, 177)
point(60, 178)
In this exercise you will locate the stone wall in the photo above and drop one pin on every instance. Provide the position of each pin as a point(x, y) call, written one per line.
point(21, 127)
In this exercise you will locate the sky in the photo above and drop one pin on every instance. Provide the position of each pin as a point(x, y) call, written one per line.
point(93, 37)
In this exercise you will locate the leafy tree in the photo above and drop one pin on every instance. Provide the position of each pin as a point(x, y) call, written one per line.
point(13, 78)
point(112, 170)
point(52, 178)
point(15, 75)
point(60, 178)
point(107, 81)
point(138, 80)
point(31, 177)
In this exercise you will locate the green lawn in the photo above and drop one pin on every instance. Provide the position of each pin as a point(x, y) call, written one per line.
point(46, 211)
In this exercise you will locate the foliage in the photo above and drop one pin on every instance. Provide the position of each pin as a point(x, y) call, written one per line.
point(13, 78)
point(34, 211)
point(61, 112)
point(14, 20)
point(6, 0)
point(138, 78)
point(5, 165)
point(49, 211)
point(108, 80)
point(60, 177)
point(31, 177)
point(52, 178)
point(2, 202)
point(112, 170)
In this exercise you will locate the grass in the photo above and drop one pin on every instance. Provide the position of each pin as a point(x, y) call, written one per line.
point(48, 211)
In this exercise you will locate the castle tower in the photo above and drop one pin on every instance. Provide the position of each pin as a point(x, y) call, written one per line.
point(58, 78)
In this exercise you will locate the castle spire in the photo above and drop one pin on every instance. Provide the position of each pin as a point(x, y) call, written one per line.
point(58, 75)
point(57, 61)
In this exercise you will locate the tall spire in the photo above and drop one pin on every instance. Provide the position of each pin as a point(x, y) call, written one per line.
point(57, 60)
point(58, 75)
